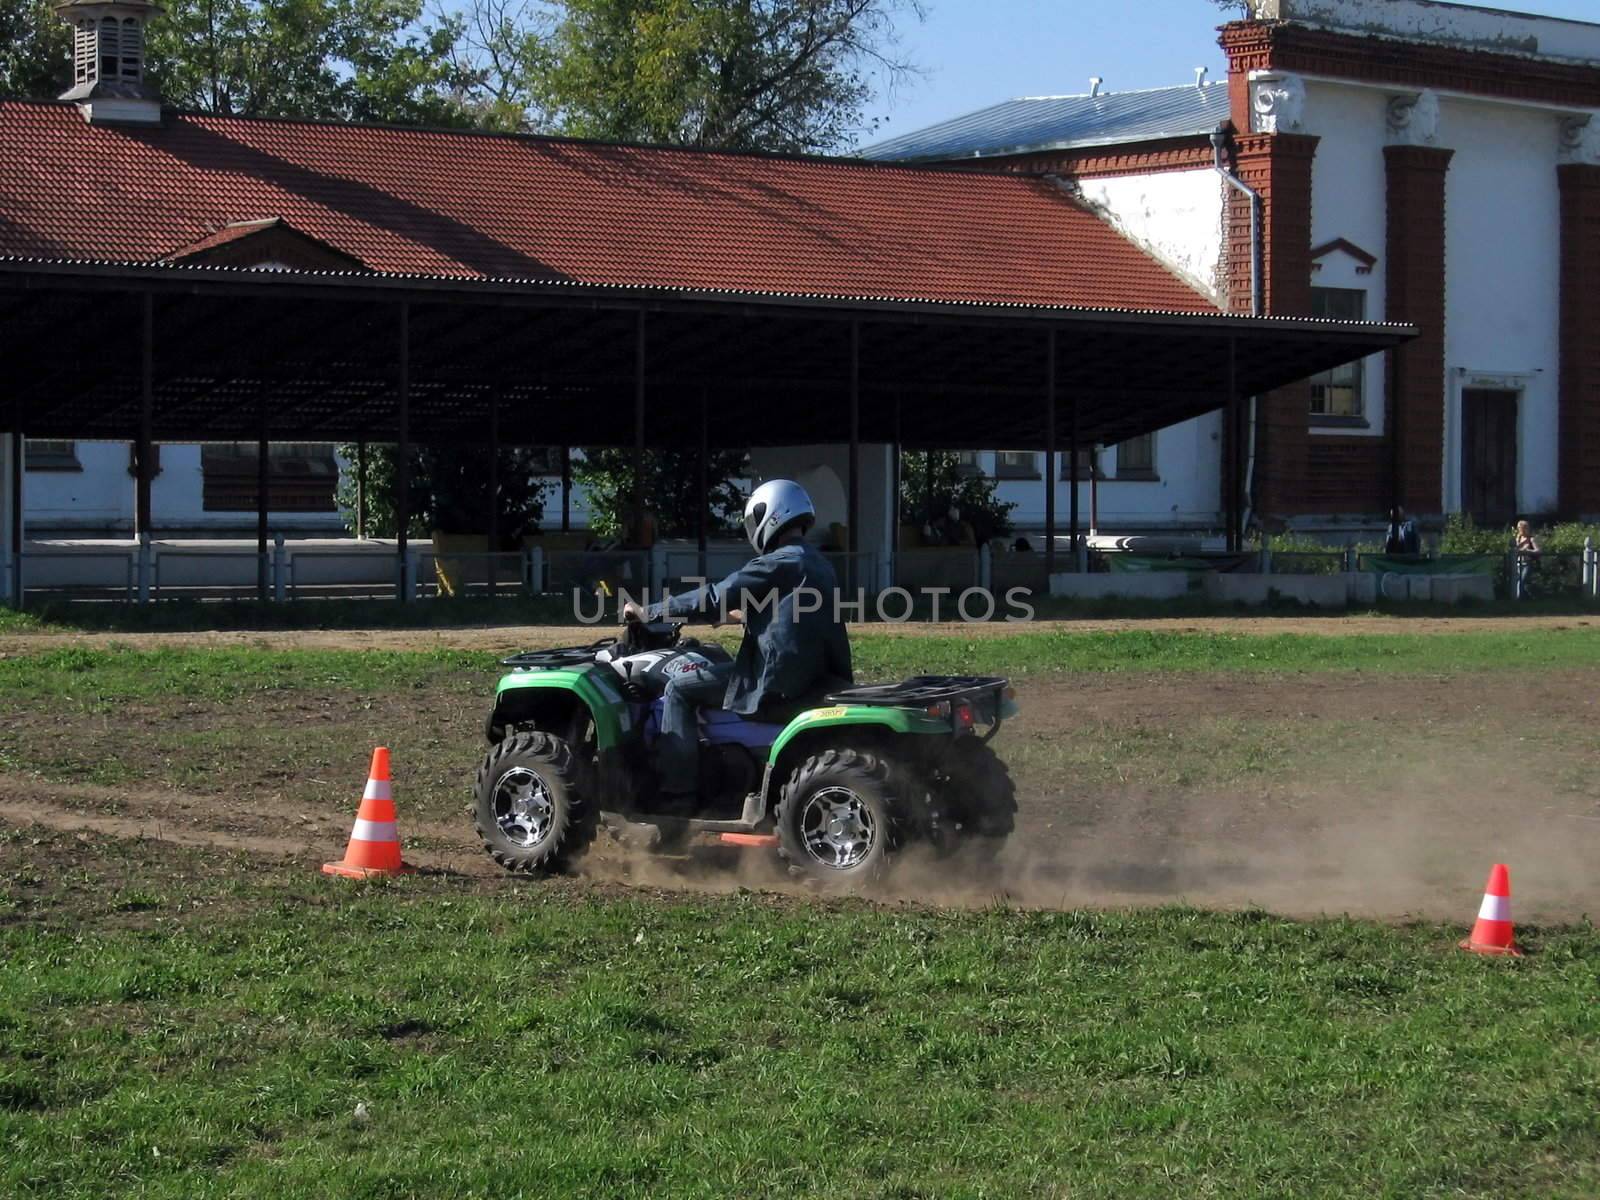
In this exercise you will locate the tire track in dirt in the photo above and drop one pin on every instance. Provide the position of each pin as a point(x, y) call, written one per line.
point(205, 821)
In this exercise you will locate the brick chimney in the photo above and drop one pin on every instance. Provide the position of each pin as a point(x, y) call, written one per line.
point(108, 79)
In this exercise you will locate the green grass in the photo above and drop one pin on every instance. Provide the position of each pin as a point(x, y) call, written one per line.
point(190, 615)
point(467, 612)
point(85, 676)
point(186, 1038)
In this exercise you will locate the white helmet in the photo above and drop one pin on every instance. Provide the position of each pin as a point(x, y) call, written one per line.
point(772, 508)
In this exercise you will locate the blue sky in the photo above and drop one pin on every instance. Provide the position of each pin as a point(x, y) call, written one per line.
point(977, 52)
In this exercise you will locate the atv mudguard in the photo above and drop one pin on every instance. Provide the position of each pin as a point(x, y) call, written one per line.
point(523, 693)
point(894, 720)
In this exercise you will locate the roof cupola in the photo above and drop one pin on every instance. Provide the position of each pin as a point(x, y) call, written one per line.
point(108, 68)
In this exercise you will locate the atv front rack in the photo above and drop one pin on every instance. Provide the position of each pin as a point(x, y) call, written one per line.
point(920, 691)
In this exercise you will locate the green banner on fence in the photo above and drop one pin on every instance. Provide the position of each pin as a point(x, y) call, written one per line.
point(1140, 563)
point(1445, 564)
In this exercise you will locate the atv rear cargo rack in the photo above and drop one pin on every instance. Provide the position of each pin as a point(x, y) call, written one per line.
point(919, 691)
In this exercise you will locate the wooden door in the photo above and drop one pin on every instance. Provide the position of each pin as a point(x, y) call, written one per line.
point(1489, 455)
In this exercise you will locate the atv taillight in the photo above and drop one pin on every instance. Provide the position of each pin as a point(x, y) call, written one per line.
point(939, 711)
point(964, 716)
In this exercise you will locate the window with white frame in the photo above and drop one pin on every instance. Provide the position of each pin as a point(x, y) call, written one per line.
point(301, 476)
point(41, 455)
point(1016, 464)
point(1088, 464)
point(1336, 395)
point(1136, 458)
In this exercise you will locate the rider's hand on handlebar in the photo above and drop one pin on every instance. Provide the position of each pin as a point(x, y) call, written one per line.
point(632, 611)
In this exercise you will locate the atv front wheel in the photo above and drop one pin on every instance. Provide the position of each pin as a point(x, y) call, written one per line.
point(529, 804)
point(838, 816)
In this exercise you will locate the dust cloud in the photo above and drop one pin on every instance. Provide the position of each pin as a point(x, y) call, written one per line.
point(1418, 845)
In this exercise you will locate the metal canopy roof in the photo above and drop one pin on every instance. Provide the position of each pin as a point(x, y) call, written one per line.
point(315, 356)
point(1035, 123)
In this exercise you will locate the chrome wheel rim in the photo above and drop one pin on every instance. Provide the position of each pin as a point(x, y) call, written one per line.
point(837, 828)
point(524, 809)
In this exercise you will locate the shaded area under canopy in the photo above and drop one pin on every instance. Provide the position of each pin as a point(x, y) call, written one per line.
point(318, 356)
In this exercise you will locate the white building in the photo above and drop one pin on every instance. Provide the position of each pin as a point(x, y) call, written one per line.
point(1420, 162)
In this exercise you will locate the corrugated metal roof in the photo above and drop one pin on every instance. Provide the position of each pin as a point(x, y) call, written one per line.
point(1033, 123)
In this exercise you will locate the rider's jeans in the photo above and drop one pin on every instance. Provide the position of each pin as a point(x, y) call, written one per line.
point(678, 748)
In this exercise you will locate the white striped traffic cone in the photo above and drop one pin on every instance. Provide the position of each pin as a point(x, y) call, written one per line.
point(375, 841)
point(1493, 933)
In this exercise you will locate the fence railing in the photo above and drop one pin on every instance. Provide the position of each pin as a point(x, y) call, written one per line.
point(100, 584)
point(144, 571)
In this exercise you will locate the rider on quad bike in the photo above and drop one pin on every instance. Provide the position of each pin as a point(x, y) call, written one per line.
point(775, 748)
point(794, 642)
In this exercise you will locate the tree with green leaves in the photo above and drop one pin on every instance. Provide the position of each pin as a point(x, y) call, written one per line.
point(360, 60)
point(786, 75)
point(671, 481)
point(35, 51)
point(449, 491)
point(934, 481)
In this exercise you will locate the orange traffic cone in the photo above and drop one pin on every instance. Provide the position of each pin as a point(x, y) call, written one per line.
point(374, 842)
point(1493, 933)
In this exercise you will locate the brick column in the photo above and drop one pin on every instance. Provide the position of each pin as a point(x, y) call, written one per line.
point(1580, 339)
point(1416, 279)
point(1279, 167)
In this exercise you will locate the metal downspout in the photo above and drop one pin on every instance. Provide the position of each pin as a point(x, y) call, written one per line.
point(1220, 138)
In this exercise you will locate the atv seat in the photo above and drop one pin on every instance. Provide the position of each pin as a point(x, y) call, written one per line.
point(781, 710)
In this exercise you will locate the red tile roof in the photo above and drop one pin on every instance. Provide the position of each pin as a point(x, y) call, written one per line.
point(413, 201)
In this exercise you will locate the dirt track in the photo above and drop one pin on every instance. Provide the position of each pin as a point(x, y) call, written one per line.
point(1335, 793)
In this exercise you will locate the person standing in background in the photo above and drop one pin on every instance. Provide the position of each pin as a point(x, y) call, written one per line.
point(1528, 552)
point(1401, 537)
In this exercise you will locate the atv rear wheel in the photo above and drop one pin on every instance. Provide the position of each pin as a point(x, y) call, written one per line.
point(976, 792)
point(529, 804)
point(838, 817)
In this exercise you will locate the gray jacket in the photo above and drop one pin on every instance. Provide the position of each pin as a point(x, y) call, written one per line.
point(793, 639)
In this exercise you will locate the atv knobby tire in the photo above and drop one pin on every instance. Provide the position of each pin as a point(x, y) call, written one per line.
point(979, 794)
point(854, 784)
point(539, 771)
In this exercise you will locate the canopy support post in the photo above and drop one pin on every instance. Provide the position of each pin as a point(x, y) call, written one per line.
point(142, 451)
point(18, 527)
point(263, 497)
point(853, 516)
point(638, 538)
point(702, 506)
point(494, 489)
point(1094, 491)
point(402, 472)
point(895, 466)
point(1232, 448)
point(361, 489)
point(566, 489)
point(1050, 458)
point(1075, 518)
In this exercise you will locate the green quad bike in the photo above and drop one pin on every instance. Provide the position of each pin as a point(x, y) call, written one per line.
point(835, 786)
